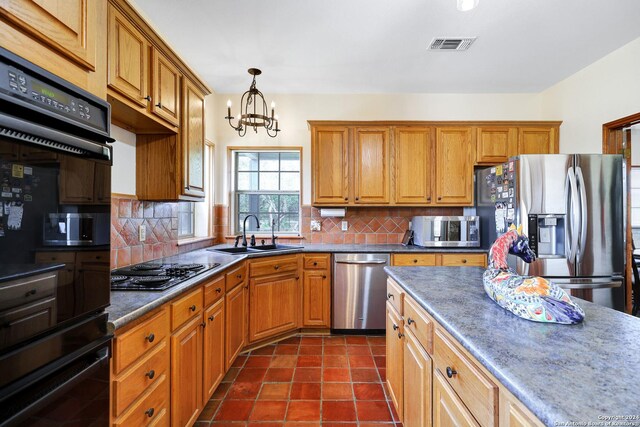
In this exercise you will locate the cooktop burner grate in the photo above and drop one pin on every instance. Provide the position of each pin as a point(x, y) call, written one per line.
point(191, 266)
point(147, 266)
point(154, 280)
point(118, 279)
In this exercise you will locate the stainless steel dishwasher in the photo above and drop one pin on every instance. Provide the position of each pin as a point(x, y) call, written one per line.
point(359, 292)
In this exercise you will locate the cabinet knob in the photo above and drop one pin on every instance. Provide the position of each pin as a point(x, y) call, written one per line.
point(276, 267)
point(324, 276)
point(346, 199)
point(211, 318)
point(149, 412)
point(148, 98)
point(29, 293)
point(357, 198)
point(395, 327)
point(193, 307)
point(400, 335)
point(464, 261)
point(150, 374)
point(451, 372)
point(159, 105)
point(203, 324)
point(410, 321)
point(429, 199)
point(439, 198)
point(239, 276)
point(415, 261)
point(315, 264)
point(150, 337)
point(390, 296)
point(218, 290)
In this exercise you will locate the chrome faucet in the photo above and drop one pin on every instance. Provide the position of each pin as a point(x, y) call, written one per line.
point(273, 234)
point(244, 229)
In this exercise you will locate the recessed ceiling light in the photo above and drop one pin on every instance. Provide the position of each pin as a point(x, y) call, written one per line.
point(467, 5)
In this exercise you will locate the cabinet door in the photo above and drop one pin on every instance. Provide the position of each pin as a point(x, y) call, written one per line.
point(165, 81)
point(395, 359)
point(448, 409)
point(193, 141)
point(495, 144)
point(102, 178)
point(76, 180)
point(186, 373)
point(67, 26)
point(537, 140)
point(128, 59)
point(413, 166)
point(371, 165)
point(213, 351)
point(417, 383)
point(454, 160)
point(273, 306)
point(235, 324)
point(316, 299)
point(33, 153)
point(330, 165)
point(514, 414)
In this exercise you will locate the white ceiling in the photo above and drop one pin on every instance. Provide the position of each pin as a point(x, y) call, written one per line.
point(380, 46)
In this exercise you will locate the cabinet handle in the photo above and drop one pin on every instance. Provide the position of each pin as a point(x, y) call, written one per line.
point(211, 318)
point(150, 374)
point(239, 276)
point(395, 327)
point(276, 267)
point(324, 277)
point(218, 290)
point(439, 198)
point(148, 98)
point(415, 261)
point(246, 287)
point(149, 412)
point(203, 324)
point(357, 198)
point(410, 321)
point(400, 335)
point(29, 293)
point(315, 264)
point(193, 307)
point(346, 199)
point(429, 199)
point(451, 372)
point(159, 105)
point(464, 261)
point(390, 296)
point(150, 337)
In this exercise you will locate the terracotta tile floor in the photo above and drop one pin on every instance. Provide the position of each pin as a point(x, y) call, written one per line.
point(304, 382)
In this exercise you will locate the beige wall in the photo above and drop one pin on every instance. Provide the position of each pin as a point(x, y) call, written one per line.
point(123, 174)
point(604, 91)
point(295, 110)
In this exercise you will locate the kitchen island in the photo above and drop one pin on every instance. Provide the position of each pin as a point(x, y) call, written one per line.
point(562, 374)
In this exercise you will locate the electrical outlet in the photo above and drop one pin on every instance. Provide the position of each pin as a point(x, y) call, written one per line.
point(316, 225)
point(345, 225)
point(142, 233)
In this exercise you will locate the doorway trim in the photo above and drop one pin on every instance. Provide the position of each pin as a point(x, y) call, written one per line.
point(612, 140)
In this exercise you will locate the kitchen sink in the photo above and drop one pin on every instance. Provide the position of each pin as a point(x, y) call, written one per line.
point(241, 250)
point(255, 249)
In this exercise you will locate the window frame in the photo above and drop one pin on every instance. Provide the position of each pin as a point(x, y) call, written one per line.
point(234, 194)
point(192, 215)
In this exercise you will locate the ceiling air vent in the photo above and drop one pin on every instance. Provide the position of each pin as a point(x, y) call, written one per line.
point(451, 43)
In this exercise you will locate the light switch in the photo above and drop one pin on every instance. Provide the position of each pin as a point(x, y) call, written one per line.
point(142, 233)
point(345, 225)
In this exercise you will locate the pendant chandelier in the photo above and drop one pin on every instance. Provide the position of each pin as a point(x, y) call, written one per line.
point(253, 111)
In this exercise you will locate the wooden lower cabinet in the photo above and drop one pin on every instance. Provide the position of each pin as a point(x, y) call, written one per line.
point(273, 306)
point(235, 323)
point(394, 361)
point(213, 351)
point(448, 409)
point(448, 259)
point(514, 414)
point(186, 373)
point(417, 383)
point(316, 299)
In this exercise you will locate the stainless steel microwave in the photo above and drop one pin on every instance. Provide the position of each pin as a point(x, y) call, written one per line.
point(446, 231)
point(76, 229)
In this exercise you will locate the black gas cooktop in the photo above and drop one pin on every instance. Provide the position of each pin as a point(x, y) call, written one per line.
point(152, 276)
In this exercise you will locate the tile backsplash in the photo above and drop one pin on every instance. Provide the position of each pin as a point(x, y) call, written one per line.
point(161, 222)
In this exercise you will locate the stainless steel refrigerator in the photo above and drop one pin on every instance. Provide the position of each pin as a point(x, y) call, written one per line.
point(571, 206)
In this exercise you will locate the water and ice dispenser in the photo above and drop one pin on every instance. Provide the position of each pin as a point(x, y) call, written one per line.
point(547, 235)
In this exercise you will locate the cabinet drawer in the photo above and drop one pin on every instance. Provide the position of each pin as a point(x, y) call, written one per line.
point(475, 390)
point(464, 260)
point(185, 308)
point(66, 257)
point(143, 374)
point(236, 276)
point(316, 262)
point(395, 296)
point(94, 257)
point(417, 321)
point(134, 343)
point(414, 259)
point(213, 291)
point(150, 409)
point(275, 265)
point(20, 292)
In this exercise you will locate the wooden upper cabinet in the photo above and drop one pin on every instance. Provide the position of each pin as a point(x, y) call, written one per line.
point(454, 160)
point(495, 144)
point(371, 165)
point(165, 81)
point(128, 52)
point(76, 180)
point(67, 26)
point(413, 167)
point(538, 140)
point(330, 164)
point(193, 141)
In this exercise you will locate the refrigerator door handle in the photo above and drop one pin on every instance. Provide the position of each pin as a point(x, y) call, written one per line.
point(572, 209)
point(583, 213)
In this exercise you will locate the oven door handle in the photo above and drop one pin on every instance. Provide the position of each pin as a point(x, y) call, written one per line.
point(46, 396)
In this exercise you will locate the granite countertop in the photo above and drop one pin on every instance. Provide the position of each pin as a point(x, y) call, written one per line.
point(561, 373)
point(127, 306)
point(16, 271)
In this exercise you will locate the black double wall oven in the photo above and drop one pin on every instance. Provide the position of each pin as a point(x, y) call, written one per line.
point(55, 180)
